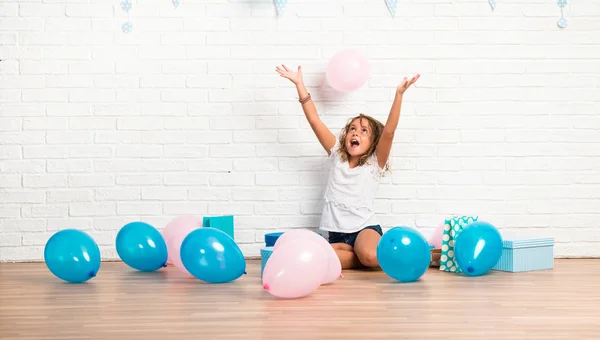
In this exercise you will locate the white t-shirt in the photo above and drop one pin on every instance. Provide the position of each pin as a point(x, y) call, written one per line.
point(350, 194)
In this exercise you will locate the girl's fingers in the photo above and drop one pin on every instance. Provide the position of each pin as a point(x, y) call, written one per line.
point(285, 67)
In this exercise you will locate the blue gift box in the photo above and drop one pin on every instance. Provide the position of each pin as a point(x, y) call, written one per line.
point(271, 238)
point(265, 252)
point(521, 255)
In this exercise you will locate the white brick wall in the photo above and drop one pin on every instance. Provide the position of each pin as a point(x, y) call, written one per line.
point(186, 115)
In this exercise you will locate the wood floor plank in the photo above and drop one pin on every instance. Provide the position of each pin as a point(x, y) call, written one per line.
point(120, 303)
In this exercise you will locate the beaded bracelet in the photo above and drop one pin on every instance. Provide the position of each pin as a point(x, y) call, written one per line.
point(305, 99)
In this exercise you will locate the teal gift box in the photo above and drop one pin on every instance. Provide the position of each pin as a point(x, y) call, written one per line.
point(521, 255)
point(265, 252)
point(223, 223)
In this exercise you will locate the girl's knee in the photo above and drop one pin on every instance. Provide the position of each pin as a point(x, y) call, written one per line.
point(369, 259)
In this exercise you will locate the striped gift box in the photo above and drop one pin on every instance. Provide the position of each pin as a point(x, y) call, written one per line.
point(265, 252)
point(521, 255)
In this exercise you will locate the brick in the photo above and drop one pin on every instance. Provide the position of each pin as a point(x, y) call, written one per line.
point(277, 178)
point(163, 137)
point(9, 196)
point(118, 137)
point(111, 223)
point(209, 194)
point(139, 208)
point(254, 109)
point(48, 123)
point(23, 82)
point(10, 211)
point(164, 194)
point(58, 81)
point(232, 179)
point(91, 180)
point(90, 209)
point(69, 110)
point(179, 179)
point(22, 225)
point(46, 210)
point(254, 136)
point(229, 67)
point(10, 152)
point(138, 179)
point(277, 208)
point(206, 24)
point(210, 165)
point(231, 151)
point(46, 95)
point(44, 181)
point(186, 95)
point(139, 151)
point(230, 209)
point(94, 151)
point(10, 124)
point(185, 208)
point(68, 195)
point(89, 10)
point(10, 240)
point(22, 110)
point(92, 123)
point(186, 123)
point(208, 137)
point(22, 166)
point(69, 137)
point(187, 151)
point(10, 181)
point(301, 164)
point(114, 81)
point(42, 67)
point(10, 96)
point(254, 194)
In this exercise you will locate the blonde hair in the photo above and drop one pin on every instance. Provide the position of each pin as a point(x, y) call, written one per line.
point(376, 131)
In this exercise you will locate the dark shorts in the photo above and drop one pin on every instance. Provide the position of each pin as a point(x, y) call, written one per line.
point(350, 238)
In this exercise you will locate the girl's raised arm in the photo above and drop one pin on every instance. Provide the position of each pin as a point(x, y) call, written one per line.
point(324, 135)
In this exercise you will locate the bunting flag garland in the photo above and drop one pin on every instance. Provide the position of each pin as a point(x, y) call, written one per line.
point(562, 22)
point(280, 4)
point(392, 5)
point(127, 27)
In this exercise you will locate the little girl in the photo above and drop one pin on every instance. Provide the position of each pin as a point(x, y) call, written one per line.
point(359, 158)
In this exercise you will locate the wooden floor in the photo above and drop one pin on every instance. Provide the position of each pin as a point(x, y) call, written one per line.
point(120, 303)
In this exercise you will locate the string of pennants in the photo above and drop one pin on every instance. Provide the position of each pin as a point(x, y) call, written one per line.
point(392, 6)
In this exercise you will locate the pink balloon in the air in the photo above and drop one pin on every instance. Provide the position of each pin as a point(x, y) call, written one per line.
point(174, 234)
point(436, 237)
point(347, 71)
point(334, 266)
point(295, 269)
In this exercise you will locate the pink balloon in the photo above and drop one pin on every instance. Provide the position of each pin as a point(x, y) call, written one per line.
point(347, 71)
point(174, 234)
point(334, 266)
point(436, 237)
point(295, 269)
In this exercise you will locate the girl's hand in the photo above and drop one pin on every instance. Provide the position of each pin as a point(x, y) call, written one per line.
point(406, 84)
point(294, 77)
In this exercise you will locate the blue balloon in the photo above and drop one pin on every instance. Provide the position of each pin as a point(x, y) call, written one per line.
point(212, 256)
point(142, 247)
point(478, 248)
point(72, 255)
point(403, 254)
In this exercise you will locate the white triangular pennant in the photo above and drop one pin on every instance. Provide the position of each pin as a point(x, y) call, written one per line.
point(392, 5)
point(280, 4)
